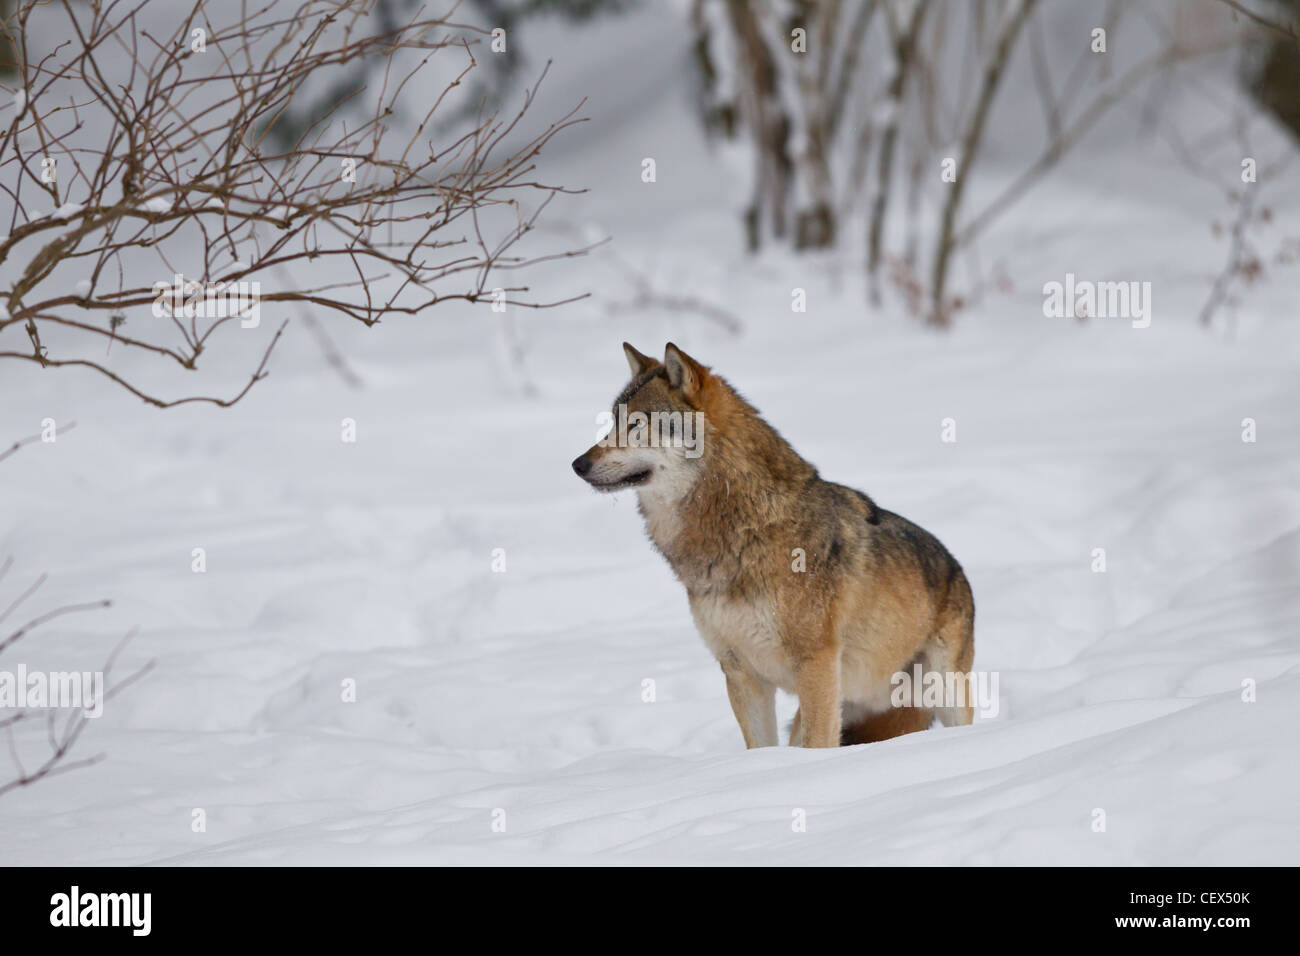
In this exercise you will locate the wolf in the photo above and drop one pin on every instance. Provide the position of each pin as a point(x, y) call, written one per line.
point(794, 582)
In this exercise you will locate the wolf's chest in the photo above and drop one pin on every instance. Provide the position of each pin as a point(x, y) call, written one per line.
point(748, 629)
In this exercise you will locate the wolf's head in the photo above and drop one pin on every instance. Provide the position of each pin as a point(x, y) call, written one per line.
point(656, 428)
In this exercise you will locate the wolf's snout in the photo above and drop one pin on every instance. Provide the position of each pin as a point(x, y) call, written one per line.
point(582, 465)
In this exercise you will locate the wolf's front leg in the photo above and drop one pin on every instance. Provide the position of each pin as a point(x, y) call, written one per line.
point(817, 682)
point(753, 700)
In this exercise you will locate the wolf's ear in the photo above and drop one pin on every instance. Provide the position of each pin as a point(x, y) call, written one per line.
point(638, 362)
point(684, 373)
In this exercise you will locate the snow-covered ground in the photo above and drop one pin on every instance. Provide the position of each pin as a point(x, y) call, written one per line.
point(481, 692)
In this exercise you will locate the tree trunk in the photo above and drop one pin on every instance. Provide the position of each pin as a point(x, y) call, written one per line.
point(970, 143)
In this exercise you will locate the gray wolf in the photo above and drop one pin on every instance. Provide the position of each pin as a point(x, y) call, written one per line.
point(794, 582)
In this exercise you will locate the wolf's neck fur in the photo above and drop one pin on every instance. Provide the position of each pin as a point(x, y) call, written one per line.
point(744, 488)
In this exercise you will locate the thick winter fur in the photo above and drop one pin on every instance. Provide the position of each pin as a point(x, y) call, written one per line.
point(877, 594)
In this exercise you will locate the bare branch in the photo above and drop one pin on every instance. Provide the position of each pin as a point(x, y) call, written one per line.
point(187, 173)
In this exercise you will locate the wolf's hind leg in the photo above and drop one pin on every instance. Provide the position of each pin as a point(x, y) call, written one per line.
point(952, 651)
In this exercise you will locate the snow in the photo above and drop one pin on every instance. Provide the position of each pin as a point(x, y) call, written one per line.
point(522, 691)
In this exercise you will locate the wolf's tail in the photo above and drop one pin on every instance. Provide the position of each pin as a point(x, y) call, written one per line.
point(875, 727)
point(891, 723)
